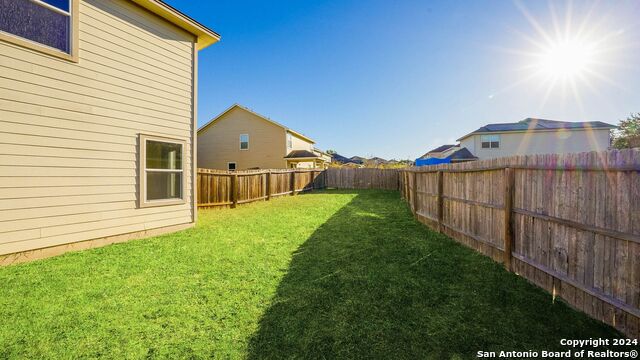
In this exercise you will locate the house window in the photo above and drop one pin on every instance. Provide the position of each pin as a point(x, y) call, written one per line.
point(162, 171)
point(244, 142)
point(289, 141)
point(490, 141)
point(45, 25)
point(231, 166)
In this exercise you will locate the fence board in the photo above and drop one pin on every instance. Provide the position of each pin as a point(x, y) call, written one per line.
point(365, 178)
point(217, 187)
point(574, 223)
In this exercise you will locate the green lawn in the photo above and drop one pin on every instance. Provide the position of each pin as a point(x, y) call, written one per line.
point(331, 274)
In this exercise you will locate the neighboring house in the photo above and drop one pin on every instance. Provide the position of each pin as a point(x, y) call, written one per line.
point(537, 136)
point(446, 154)
point(378, 161)
point(358, 159)
point(339, 160)
point(439, 151)
point(97, 125)
point(240, 138)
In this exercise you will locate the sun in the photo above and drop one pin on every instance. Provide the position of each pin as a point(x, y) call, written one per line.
point(564, 54)
point(566, 59)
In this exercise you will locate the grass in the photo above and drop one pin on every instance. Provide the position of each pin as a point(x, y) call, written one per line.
point(335, 274)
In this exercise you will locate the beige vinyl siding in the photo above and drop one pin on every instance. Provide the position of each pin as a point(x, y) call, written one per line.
point(305, 164)
point(219, 144)
point(69, 131)
point(300, 144)
point(540, 142)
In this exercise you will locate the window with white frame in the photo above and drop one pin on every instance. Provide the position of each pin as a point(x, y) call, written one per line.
point(231, 166)
point(490, 141)
point(289, 141)
point(244, 142)
point(162, 175)
point(41, 22)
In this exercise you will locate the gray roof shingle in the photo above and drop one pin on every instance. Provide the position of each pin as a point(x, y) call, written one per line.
point(462, 154)
point(294, 154)
point(541, 124)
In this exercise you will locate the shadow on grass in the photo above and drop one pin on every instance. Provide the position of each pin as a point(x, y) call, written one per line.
point(373, 283)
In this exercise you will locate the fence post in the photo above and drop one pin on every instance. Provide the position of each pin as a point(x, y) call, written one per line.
point(508, 211)
point(234, 190)
point(406, 186)
point(293, 182)
point(440, 201)
point(268, 181)
point(313, 179)
point(415, 193)
point(325, 178)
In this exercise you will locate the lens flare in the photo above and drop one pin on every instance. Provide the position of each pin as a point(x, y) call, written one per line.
point(566, 59)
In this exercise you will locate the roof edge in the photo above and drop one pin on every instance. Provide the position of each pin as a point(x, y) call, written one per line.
point(204, 35)
point(535, 130)
point(306, 138)
point(236, 105)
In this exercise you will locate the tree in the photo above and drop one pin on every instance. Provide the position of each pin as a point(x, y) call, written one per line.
point(628, 133)
point(331, 152)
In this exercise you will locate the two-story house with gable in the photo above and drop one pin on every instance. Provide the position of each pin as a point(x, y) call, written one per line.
point(240, 139)
point(97, 123)
point(537, 136)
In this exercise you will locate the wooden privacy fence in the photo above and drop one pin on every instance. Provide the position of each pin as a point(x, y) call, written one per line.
point(230, 188)
point(568, 223)
point(365, 178)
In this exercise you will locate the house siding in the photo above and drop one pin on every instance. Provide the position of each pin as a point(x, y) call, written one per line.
point(69, 131)
point(540, 142)
point(219, 143)
point(298, 143)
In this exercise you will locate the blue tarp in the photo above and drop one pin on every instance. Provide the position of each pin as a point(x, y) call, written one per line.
point(432, 161)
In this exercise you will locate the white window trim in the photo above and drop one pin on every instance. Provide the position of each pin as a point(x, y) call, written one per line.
point(142, 176)
point(240, 143)
point(490, 147)
point(234, 163)
point(73, 13)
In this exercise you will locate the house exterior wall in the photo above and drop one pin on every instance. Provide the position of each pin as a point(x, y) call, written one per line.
point(300, 144)
point(539, 142)
point(69, 131)
point(306, 164)
point(219, 143)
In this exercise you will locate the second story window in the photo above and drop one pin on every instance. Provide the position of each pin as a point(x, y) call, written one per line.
point(44, 25)
point(289, 141)
point(490, 141)
point(244, 142)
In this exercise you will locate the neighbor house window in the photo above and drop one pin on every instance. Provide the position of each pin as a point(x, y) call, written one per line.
point(162, 171)
point(231, 166)
point(244, 142)
point(490, 141)
point(289, 141)
point(45, 25)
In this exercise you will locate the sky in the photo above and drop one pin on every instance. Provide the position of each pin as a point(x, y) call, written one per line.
point(395, 79)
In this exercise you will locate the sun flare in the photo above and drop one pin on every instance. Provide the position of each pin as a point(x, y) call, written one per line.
point(566, 59)
point(566, 53)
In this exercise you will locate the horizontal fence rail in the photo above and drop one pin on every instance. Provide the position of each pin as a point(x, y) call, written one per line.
point(230, 188)
point(568, 223)
point(364, 178)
